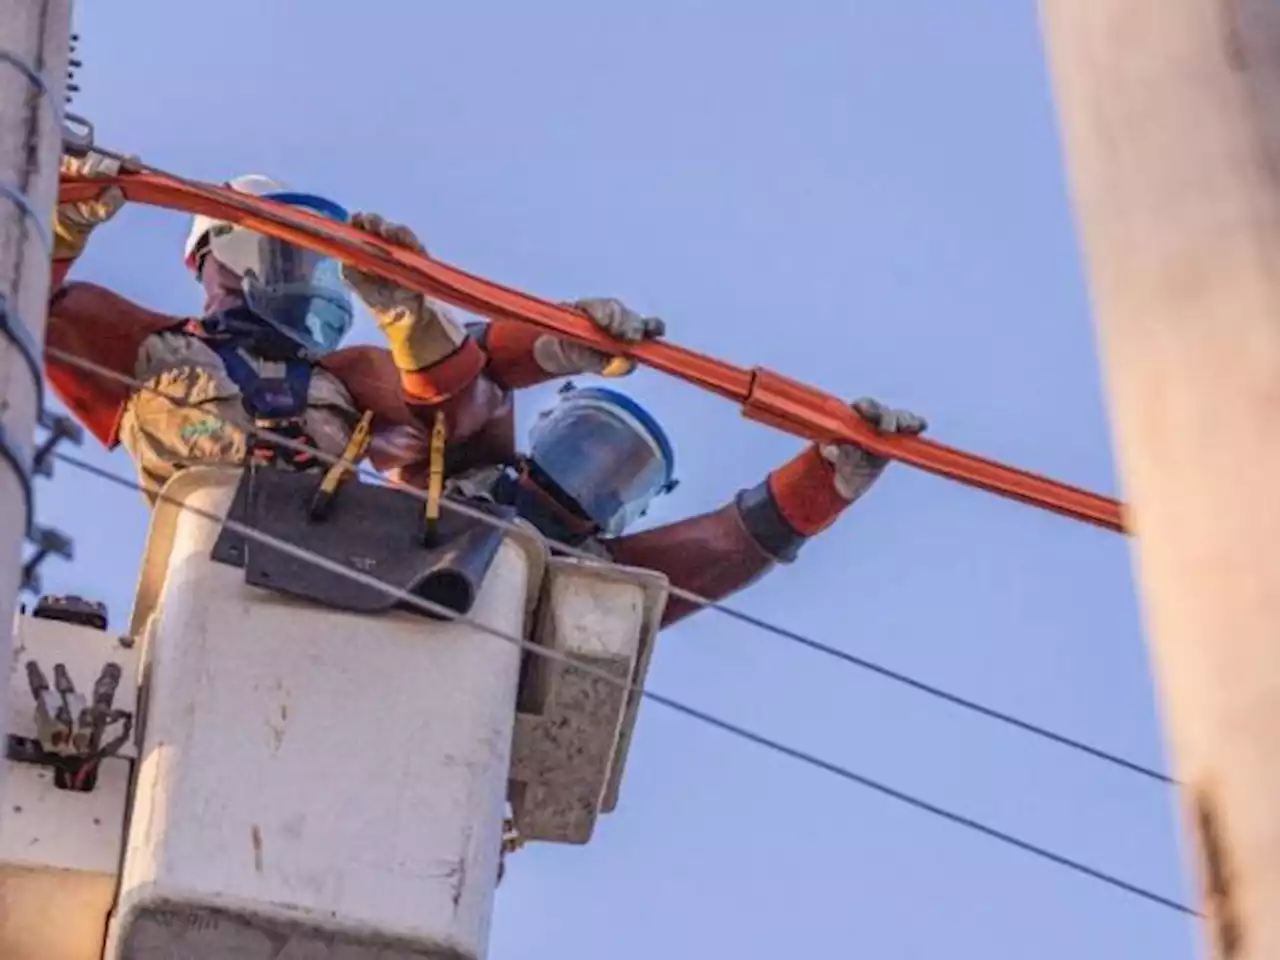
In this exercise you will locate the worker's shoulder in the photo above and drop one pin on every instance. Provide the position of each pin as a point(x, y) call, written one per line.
point(80, 302)
point(370, 377)
point(360, 360)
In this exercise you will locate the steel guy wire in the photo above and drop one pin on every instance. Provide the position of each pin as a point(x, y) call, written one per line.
point(759, 623)
point(734, 729)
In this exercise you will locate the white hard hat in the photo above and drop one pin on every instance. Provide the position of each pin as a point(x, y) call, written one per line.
point(255, 184)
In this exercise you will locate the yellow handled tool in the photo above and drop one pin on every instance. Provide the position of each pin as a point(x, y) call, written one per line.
point(435, 478)
point(351, 456)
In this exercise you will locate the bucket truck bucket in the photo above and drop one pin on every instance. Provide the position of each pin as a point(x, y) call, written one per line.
point(313, 781)
point(573, 731)
point(317, 768)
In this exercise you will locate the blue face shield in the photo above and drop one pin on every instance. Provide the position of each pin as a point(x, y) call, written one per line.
point(604, 452)
point(299, 293)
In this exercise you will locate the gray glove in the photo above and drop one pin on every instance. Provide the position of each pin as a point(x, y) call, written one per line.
point(857, 469)
point(618, 320)
point(564, 357)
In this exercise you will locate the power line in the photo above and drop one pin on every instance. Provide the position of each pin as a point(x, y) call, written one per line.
point(695, 713)
point(784, 633)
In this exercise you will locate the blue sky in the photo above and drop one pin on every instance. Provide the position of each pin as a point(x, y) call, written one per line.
point(866, 196)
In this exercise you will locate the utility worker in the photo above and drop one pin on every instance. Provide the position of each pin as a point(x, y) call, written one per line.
point(264, 351)
point(597, 459)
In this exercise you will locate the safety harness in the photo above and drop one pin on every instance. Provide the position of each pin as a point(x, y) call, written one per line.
point(277, 404)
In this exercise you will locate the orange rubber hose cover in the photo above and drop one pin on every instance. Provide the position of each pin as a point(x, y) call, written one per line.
point(765, 396)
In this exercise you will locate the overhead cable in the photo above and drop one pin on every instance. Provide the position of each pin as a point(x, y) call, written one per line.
point(785, 633)
point(734, 729)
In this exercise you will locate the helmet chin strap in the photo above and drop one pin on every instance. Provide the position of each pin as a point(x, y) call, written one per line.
point(552, 501)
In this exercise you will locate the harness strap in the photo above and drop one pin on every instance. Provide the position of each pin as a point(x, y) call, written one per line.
point(541, 508)
point(276, 403)
point(274, 398)
point(435, 477)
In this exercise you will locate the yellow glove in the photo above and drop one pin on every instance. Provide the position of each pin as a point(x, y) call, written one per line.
point(420, 333)
point(73, 222)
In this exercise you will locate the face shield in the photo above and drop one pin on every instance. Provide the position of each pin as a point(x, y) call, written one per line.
point(606, 453)
point(299, 293)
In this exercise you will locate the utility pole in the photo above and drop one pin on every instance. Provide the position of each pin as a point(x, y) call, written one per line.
point(34, 57)
point(1170, 117)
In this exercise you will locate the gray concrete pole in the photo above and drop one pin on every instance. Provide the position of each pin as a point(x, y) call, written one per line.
point(1170, 117)
point(34, 53)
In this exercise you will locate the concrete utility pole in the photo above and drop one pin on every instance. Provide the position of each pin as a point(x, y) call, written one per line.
point(34, 55)
point(1170, 115)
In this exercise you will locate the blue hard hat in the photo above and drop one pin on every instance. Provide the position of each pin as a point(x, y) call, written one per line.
point(606, 453)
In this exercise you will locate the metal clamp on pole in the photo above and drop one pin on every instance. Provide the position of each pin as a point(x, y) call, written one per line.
point(77, 135)
point(60, 428)
point(48, 542)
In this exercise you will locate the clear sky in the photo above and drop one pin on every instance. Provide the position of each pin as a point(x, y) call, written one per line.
point(864, 195)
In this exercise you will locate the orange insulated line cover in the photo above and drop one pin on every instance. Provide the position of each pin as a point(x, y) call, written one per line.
point(763, 395)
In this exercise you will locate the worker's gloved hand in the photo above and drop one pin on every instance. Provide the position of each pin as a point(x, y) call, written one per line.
point(419, 332)
point(564, 357)
point(855, 468)
point(73, 222)
point(618, 320)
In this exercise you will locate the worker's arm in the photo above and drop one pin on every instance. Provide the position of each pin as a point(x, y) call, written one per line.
point(435, 361)
point(74, 222)
point(90, 323)
point(469, 370)
point(437, 355)
point(719, 553)
point(104, 331)
point(478, 413)
point(521, 355)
